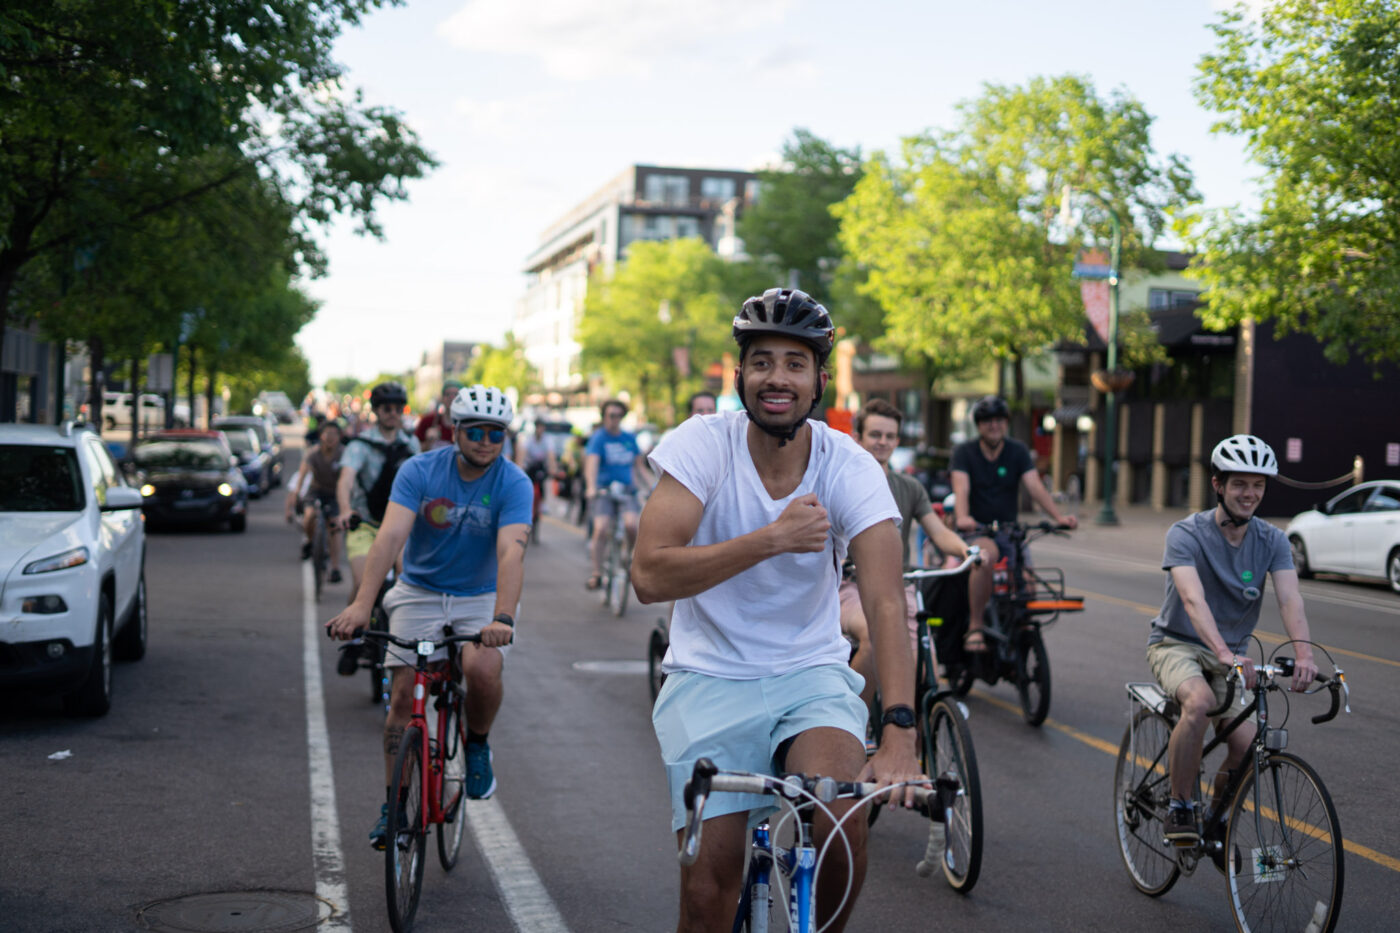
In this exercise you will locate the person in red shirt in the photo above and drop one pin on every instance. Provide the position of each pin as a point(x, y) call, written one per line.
point(434, 429)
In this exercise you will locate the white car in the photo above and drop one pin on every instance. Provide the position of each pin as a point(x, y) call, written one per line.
point(72, 565)
point(1357, 532)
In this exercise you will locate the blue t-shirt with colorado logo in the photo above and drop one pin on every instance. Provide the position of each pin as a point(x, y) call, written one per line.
point(616, 454)
point(452, 547)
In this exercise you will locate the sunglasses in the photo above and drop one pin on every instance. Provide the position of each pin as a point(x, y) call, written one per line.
point(476, 434)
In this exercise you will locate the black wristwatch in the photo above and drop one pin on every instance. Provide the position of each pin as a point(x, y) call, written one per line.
point(900, 716)
point(505, 617)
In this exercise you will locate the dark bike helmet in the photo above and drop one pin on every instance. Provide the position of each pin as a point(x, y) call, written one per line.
point(988, 407)
point(786, 312)
point(388, 393)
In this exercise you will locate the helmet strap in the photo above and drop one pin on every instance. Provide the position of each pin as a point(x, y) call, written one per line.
point(782, 434)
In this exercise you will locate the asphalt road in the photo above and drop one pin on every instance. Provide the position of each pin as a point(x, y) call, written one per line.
point(200, 780)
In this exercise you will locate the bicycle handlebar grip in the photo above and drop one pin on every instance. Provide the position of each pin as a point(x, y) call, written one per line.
point(696, 790)
point(1229, 697)
point(1335, 688)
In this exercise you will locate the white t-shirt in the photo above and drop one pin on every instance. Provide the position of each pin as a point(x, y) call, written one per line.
point(782, 614)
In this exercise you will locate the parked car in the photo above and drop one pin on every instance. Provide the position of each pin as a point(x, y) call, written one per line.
point(72, 565)
point(1357, 533)
point(252, 459)
point(265, 426)
point(191, 477)
point(116, 411)
point(276, 404)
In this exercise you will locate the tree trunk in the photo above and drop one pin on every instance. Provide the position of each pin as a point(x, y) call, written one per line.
point(194, 358)
point(209, 398)
point(1020, 409)
point(97, 381)
point(134, 387)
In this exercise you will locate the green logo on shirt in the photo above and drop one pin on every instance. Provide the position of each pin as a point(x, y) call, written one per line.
point(486, 500)
point(1247, 576)
point(1001, 471)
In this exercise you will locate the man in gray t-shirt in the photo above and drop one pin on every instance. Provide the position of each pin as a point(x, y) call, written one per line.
point(1217, 563)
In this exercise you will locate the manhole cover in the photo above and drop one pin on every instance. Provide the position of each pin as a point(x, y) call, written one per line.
point(611, 667)
point(236, 912)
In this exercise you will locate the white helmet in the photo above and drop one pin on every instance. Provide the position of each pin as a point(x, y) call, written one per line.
point(482, 403)
point(1244, 453)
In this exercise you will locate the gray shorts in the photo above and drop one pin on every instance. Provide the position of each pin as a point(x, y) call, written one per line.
point(418, 613)
point(605, 506)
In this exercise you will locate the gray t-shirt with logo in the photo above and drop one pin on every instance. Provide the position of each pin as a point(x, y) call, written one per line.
point(1232, 578)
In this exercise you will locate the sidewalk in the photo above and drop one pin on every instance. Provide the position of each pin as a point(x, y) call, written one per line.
point(1140, 534)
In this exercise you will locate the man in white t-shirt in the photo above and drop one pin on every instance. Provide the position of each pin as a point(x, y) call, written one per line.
point(746, 531)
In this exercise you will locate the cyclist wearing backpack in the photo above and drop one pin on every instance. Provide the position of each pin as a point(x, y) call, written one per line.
point(367, 470)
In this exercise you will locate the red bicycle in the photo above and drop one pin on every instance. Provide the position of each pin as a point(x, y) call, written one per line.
point(429, 777)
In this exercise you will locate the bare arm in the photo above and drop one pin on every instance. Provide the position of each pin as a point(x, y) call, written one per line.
point(1290, 607)
point(295, 487)
point(343, 484)
point(962, 485)
point(591, 463)
point(388, 542)
point(1041, 496)
point(665, 567)
point(943, 537)
point(510, 579)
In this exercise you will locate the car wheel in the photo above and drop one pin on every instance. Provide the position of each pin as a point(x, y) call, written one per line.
point(1392, 570)
point(1300, 556)
point(94, 697)
point(130, 644)
point(238, 523)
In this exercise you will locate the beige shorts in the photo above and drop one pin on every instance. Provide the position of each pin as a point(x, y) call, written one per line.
point(417, 613)
point(1174, 662)
point(850, 599)
point(359, 541)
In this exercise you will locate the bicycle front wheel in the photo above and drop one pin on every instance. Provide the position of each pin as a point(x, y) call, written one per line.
point(1032, 675)
point(948, 753)
point(454, 780)
point(1141, 792)
point(1284, 848)
point(407, 837)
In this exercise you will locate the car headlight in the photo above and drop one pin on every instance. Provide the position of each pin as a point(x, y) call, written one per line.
point(74, 558)
point(148, 490)
point(43, 605)
point(225, 489)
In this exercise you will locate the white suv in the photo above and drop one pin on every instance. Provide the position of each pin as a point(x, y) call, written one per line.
point(72, 565)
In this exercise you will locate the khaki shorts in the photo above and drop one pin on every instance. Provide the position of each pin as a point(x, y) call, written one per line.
point(1174, 662)
point(850, 597)
point(359, 541)
point(418, 614)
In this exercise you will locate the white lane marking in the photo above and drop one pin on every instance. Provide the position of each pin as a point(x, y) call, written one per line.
point(326, 857)
point(527, 902)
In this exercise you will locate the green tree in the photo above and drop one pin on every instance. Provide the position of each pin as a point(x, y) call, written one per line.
point(106, 108)
point(668, 304)
point(959, 239)
point(1314, 88)
point(504, 367)
point(791, 227)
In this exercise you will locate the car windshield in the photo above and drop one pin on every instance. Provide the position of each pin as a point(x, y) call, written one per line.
point(240, 440)
point(259, 428)
point(34, 478)
point(182, 455)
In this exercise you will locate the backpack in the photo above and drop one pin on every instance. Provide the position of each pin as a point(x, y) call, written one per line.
point(377, 496)
point(946, 612)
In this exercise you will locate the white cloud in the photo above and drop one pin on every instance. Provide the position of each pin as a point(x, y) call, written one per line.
point(504, 118)
point(583, 39)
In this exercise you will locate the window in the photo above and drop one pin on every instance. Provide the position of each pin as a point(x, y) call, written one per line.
point(717, 189)
point(1384, 499)
point(687, 226)
point(1348, 504)
point(751, 191)
point(666, 189)
point(1162, 299)
point(39, 479)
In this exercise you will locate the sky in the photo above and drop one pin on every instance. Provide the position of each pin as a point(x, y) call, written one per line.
point(532, 105)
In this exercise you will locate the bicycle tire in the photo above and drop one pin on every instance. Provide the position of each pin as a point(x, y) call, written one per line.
point(1032, 675)
point(609, 571)
point(406, 841)
point(1284, 812)
point(948, 749)
point(1141, 791)
point(454, 780)
point(656, 653)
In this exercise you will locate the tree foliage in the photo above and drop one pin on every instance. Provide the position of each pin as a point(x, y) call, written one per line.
point(504, 367)
point(958, 236)
point(669, 295)
point(1314, 88)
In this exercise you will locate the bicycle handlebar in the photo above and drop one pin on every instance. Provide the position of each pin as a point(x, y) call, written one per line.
point(974, 556)
point(412, 644)
point(1023, 530)
point(705, 779)
point(1269, 673)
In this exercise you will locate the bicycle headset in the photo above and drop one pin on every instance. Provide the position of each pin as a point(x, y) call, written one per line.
point(784, 312)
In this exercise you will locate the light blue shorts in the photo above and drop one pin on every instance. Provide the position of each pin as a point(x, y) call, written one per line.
point(739, 724)
point(418, 613)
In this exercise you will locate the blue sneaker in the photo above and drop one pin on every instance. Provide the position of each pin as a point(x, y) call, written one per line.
point(381, 829)
point(481, 780)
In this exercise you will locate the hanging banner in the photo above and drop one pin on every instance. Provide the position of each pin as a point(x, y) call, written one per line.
point(1093, 270)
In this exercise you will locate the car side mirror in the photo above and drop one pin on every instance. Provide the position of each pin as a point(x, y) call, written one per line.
point(122, 497)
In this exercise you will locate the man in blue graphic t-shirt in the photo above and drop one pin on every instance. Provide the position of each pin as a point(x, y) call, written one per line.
point(461, 514)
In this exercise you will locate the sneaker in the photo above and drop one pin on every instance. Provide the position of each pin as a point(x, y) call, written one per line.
point(1181, 826)
point(349, 661)
point(481, 780)
point(380, 832)
point(306, 550)
point(335, 575)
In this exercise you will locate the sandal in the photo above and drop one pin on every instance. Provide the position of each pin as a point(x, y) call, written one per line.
point(595, 581)
point(974, 642)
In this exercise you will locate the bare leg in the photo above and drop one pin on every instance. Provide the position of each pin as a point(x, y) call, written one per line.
point(482, 669)
point(400, 711)
point(979, 583)
point(710, 887)
point(835, 753)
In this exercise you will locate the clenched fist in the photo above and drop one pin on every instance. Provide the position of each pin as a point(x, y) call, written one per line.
point(803, 526)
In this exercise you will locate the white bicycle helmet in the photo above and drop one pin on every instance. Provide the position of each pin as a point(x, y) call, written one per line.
point(1244, 453)
point(482, 403)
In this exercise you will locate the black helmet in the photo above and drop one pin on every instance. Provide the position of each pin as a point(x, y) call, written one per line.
point(786, 312)
point(988, 407)
point(388, 393)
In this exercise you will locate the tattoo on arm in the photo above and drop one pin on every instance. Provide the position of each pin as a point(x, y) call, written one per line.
point(393, 738)
point(523, 542)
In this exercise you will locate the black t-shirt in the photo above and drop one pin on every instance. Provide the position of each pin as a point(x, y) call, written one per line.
point(995, 484)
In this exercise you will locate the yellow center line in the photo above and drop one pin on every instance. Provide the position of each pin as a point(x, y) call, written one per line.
point(1269, 637)
point(1108, 748)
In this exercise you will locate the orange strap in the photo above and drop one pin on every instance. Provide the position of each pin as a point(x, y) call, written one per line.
point(1054, 605)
